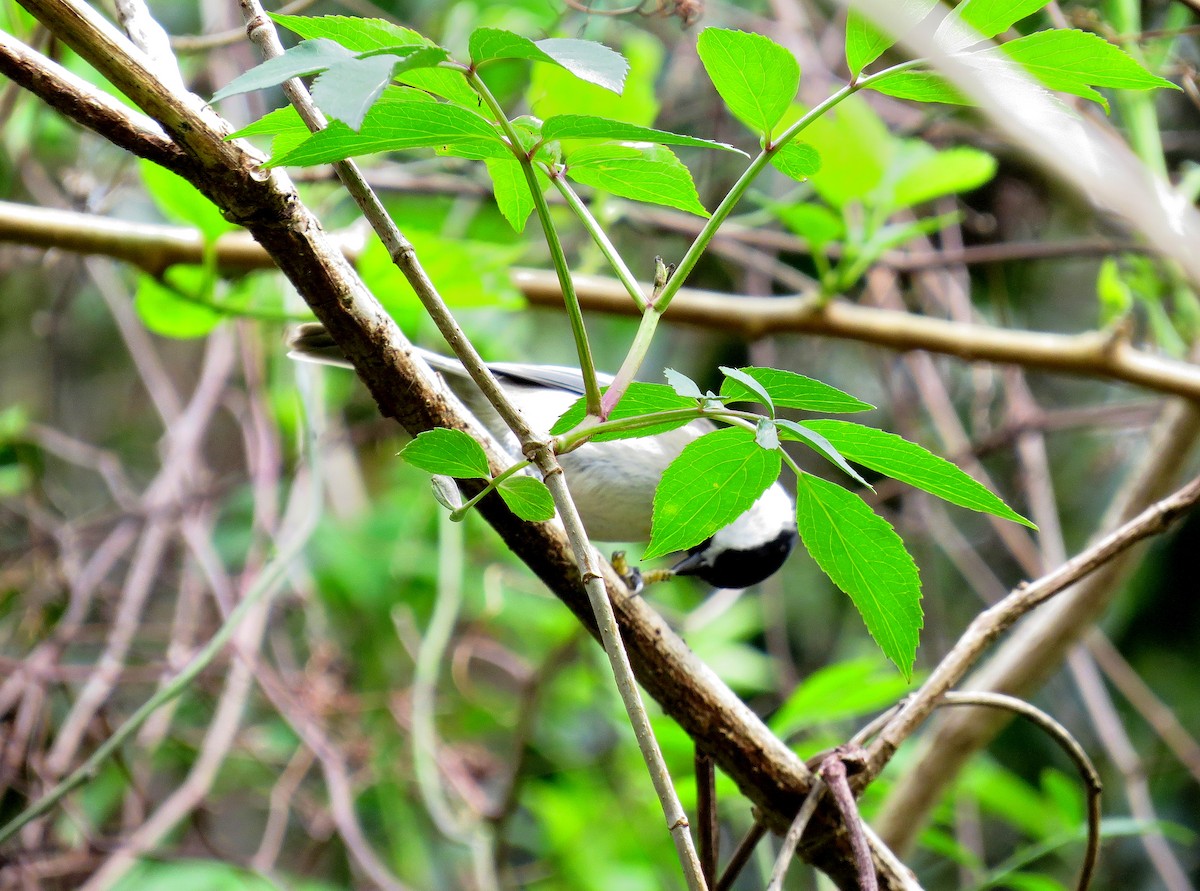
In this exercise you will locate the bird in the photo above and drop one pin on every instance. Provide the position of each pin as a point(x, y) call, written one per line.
point(612, 483)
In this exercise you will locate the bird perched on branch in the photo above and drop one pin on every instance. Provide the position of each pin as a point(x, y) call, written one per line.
point(612, 483)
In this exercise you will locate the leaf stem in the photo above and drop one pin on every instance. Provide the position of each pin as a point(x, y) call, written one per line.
point(458, 513)
point(615, 260)
point(558, 257)
point(640, 346)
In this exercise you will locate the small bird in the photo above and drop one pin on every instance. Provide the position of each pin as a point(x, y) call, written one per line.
point(612, 483)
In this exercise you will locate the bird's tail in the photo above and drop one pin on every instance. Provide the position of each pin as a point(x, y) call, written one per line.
point(312, 343)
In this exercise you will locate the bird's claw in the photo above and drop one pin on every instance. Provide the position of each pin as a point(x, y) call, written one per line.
point(630, 575)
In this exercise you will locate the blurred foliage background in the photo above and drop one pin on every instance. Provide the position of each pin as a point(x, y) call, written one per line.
point(151, 430)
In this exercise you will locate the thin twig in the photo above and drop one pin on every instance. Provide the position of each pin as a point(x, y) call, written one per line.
point(706, 816)
point(787, 851)
point(991, 623)
point(1074, 751)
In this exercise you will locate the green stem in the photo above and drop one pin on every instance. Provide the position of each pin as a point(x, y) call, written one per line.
point(637, 352)
point(570, 441)
point(591, 387)
point(458, 513)
point(615, 260)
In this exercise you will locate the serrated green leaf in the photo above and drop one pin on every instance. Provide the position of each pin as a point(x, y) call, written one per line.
point(713, 481)
point(1076, 61)
point(756, 77)
point(528, 498)
point(866, 559)
point(919, 86)
point(751, 384)
point(306, 57)
point(587, 60)
point(639, 399)
point(682, 384)
point(582, 126)
point(345, 92)
point(403, 118)
point(814, 440)
point(865, 42)
point(283, 125)
point(791, 390)
point(649, 173)
point(908, 462)
point(363, 35)
point(447, 452)
point(511, 191)
point(975, 20)
point(797, 160)
point(947, 172)
point(553, 90)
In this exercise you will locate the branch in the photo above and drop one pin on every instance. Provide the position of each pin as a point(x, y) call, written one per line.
point(1097, 354)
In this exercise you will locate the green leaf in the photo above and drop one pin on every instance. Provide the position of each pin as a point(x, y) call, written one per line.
point(363, 35)
point(855, 147)
point(639, 399)
point(587, 60)
point(582, 126)
point(1116, 297)
point(837, 692)
point(181, 202)
point(1075, 61)
point(815, 223)
point(283, 124)
point(402, 119)
point(682, 384)
point(756, 77)
point(865, 42)
point(797, 160)
point(165, 312)
point(528, 498)
point(751, 384)
point(347, 90)
point(447, 452)
point(866, 559)
point(813, 439)
point(919, 86)
point(713, 481)
point(791, 390)
point(649, 173)
point(947, 172)
point(975, 20)
point(908, 462)
point(511, 190)
point(766, 434)
point(553, 90)
point(306, 57)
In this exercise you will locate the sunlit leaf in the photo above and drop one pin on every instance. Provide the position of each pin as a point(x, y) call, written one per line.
point(527, 497)
point(908, 462)
point(713, 481)
point(447, 452)
point(791, 390)
point(866, 559)
point(755, 76)
point(642, 172)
